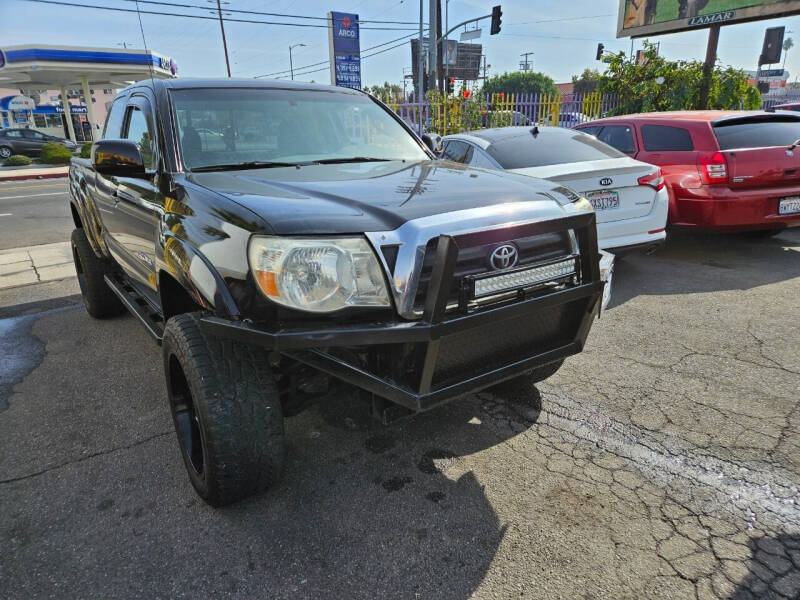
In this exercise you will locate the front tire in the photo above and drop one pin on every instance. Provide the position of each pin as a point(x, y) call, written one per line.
point(5, 152)
point(226, 411)
point(99, 300)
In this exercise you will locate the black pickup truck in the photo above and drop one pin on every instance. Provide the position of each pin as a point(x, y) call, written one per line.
point(281, 239)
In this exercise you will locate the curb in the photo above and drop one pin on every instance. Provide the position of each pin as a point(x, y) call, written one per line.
point(39, 176)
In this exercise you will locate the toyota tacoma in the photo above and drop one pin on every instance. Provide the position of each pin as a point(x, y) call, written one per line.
point(280, 240)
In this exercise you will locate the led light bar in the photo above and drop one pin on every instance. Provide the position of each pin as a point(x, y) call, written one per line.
point(496, 284)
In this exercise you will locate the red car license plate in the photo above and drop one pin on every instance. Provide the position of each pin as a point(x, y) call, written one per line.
point(788, 206)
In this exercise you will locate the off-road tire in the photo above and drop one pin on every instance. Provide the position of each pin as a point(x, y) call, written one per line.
point(5, 152)
point(222, 394)
point(99, 300)
point(521, 387)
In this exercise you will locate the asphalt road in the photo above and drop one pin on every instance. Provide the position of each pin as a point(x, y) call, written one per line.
point(34, 211)
point(662, 462)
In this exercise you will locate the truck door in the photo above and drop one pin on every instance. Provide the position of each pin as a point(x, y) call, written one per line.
point(104, 190)
point(136, 210)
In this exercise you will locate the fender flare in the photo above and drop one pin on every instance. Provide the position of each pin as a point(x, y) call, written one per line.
point(192, 270)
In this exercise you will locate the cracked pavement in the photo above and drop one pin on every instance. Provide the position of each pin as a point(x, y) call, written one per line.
point(662, 462)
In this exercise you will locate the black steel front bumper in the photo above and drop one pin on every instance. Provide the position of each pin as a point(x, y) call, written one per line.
point(451, 353)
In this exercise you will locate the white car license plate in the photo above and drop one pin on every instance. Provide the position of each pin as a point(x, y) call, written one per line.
point(604, 199)
point(790, 205)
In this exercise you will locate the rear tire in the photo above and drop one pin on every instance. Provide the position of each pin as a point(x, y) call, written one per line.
point(226, 411)
point(99, 300)
point(521, 388)
point(5, 152)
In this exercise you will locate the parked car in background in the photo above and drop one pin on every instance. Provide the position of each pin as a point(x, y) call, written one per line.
point(725, 170)
point(28, 142)
point(793, 106)
point(571, 119)
point(628, 196)
point(503, 118)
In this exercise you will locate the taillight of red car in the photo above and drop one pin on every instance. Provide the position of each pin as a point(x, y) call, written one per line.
point(655, 180)
point(713, 167)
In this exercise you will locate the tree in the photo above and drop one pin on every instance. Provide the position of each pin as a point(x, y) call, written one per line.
point(587, 82)
point(518, 82)
point(788, 44)
point(385, 91)
point(657, 84)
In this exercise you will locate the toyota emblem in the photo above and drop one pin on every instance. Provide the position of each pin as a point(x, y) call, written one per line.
point(606, 181)
point(504, 257)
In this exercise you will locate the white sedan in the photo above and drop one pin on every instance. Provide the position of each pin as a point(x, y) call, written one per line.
point(629, 196)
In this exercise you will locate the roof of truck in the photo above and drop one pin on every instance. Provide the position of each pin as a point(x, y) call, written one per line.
point(238, 82)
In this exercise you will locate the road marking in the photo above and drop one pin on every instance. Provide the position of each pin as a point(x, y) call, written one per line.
point(31, 187)
point(34, 195)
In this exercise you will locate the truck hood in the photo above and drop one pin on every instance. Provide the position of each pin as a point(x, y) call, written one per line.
point(377, 196)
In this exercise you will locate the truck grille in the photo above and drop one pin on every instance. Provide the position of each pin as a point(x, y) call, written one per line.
point(475, 260)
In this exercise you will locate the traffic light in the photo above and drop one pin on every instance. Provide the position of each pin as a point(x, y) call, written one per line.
point(496, 22)
point(773, 44)
point(600, 48)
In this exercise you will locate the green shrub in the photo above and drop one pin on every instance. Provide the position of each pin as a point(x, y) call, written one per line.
point(17, 160)
point(55, 154)
point(86, 150)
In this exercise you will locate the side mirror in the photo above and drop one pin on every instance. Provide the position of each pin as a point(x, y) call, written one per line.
point(434, 142)
point(118, 158)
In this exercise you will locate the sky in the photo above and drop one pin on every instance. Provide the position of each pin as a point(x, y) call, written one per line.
point(563, 35)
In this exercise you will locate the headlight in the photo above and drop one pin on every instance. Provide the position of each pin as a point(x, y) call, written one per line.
point(318, 274)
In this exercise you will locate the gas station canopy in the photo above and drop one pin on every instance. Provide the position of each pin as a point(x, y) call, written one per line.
point(60, 67)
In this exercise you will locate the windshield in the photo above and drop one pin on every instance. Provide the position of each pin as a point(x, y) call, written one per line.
point(229, 126)
point(550, 146)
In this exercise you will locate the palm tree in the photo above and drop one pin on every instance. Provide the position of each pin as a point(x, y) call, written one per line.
point(788, 44)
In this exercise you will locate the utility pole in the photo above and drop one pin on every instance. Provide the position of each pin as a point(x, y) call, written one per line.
point(291, 66)
point(433, 45)
point(525, 66)
point(420, 72)
point(439, 53)
point(224, 41)
point(708, 66)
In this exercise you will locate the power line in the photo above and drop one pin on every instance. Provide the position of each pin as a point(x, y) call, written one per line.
point(167, 14)
point(555, 20)
point(325, 62)
point(263, 14)
point(296, 74)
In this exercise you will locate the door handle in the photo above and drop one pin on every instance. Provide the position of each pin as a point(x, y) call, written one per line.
point(120, 195)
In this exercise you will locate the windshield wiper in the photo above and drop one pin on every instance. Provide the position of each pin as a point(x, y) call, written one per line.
point(255, 164)
point(352, 159)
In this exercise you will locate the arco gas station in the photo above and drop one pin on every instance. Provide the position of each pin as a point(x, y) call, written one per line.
point(62, 68)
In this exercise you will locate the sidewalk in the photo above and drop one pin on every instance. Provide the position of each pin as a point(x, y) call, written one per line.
point(35, 264)
point(33, 172)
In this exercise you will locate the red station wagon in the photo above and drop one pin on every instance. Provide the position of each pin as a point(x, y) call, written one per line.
point(726, 170)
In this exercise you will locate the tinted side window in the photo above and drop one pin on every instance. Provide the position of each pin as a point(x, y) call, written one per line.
point(589, 130)
point(619, 136)
point(114, 120)
point(138, 131)
point(16, 133)
point(761, 133)
point(457, 151)
point(660, 138)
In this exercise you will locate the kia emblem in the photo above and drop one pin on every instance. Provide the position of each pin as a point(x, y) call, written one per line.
point(504, 257)
point(606, 181)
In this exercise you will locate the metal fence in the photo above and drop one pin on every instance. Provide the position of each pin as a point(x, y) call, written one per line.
point(453, 114)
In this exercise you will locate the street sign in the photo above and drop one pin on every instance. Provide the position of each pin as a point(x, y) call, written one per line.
point(473, 34)
point(345, 49)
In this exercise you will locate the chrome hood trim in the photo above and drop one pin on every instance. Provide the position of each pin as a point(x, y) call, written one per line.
point(412, 238)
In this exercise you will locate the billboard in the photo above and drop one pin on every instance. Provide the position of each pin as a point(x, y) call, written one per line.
point(638, 18)
point(345, 49)
point(463, 60)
